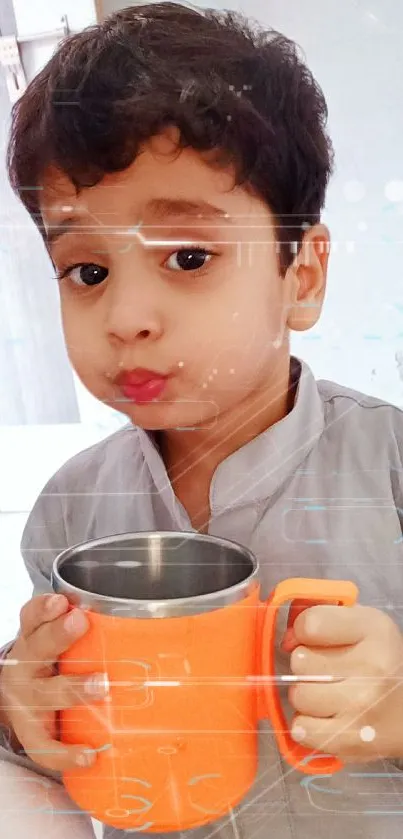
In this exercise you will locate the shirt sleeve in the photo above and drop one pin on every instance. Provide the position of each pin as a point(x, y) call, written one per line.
point(44, 537)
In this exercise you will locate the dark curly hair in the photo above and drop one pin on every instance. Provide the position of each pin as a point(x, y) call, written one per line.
point(232, 87)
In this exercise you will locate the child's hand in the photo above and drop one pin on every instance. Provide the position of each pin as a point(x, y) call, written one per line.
point(360, 716)
point(30, 691)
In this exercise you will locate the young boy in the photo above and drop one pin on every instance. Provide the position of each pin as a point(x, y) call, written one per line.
point(176, 164)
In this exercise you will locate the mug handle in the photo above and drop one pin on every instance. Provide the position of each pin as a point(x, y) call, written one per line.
point(337, 592)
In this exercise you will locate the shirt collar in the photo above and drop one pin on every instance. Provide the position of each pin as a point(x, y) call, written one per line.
point(257, 470)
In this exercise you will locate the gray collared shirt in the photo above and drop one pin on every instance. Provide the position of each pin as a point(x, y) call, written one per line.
point(319, 494)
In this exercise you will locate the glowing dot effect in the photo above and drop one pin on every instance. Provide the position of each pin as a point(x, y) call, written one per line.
point(394, 191)
point(367, 734)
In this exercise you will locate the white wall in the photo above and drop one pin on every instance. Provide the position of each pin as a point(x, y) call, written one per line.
point(43, 15)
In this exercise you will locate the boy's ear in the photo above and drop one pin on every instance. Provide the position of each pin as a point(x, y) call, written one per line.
point(306, 277)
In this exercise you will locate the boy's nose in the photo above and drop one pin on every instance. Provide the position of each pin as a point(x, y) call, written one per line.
point(132, 317)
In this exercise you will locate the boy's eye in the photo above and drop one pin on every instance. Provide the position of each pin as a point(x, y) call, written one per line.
point(85, 274)
point(91, 274)
point(188, 259)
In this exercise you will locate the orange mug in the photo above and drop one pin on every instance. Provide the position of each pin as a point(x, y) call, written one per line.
point(177, 624)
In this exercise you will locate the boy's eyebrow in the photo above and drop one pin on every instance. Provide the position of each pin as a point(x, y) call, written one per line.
point(58, 229)
point(163, 208)
point(160, 209)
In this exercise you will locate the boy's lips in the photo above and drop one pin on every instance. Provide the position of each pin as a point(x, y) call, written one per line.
point(141, 385)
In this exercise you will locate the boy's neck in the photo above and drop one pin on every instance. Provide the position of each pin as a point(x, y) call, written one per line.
point(198, 453)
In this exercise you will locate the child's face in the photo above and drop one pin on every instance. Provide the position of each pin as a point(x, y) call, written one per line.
point(219, 330)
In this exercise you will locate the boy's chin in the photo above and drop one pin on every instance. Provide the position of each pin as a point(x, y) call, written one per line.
point(169, 416)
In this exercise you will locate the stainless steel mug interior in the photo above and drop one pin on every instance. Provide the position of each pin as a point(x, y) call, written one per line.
point(155, 574)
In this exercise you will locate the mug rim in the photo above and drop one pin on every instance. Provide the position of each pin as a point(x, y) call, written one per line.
point(142, 608)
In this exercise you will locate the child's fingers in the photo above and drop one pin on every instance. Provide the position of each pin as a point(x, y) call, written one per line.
point(50, 640)
point(320, 700)
point(51, 753)
point(290, 642)
point(41, 609)
point(60, 692)
point(26, 710)
point(332, 736)
point(333, 626)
